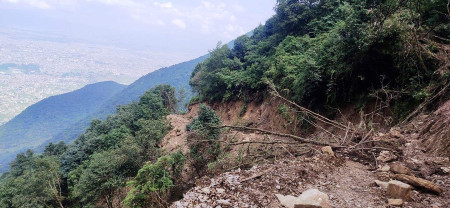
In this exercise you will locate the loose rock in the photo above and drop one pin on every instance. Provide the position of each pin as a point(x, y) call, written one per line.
point(401, 169)
point(385, 168)
point(395, 133)
point(224, 202)
point(395, 202)
point(382, 184)
point(328, 150)
point(312, 198)
point(399, 190)
point(287, 201)
point(386, 156)
point(220, 191)
point(206, 190)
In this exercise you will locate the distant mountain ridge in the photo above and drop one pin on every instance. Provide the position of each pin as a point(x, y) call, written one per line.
point(41, 121)
point(177, 76)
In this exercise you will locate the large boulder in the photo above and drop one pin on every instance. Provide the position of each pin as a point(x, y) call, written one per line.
point(287, 201)
point(312, 198)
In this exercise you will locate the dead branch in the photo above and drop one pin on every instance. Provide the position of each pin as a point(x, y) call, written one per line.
point(419, 182)
point(257, 175)
point(425, 103)
point(296, 138)
point(371, 148)
point(307, 111)
point(251, 142)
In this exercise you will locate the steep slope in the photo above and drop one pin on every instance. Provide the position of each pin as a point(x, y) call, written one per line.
point(177, 76)
point(43, 120)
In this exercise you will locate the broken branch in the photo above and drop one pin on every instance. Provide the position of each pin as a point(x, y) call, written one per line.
point(296, 138)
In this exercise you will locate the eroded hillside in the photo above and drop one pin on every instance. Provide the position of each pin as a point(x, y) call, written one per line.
point(256, 170)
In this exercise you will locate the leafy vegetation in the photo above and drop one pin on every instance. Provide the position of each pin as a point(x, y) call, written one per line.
point(202, 139)
point(152, 185)
point(48, 117)
point(333, 52)
point(317, 52)
point(95, 169)
point(177, 76)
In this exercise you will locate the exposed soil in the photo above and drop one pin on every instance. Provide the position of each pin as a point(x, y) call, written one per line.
point(176, 138)
point(422, 143)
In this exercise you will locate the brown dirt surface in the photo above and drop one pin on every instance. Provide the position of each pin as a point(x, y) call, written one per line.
point(435, 131)
point(422, 145)
point(176, 138)
point(270, 115)
point(240, 188)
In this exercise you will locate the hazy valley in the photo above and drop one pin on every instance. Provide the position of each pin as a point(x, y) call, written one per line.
point(34, 66)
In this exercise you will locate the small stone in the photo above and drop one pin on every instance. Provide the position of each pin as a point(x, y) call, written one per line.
point(206, 190)
point(382, 184)
point(312, 198)
point(224, 202)
point(445, 169)
point(395, 202)
point(385, 168)
point(395, 133)
point(328, 150)
point(386, 156)
point(401, 169)
point(220, 191)
point(278, 187)
point(399, 190)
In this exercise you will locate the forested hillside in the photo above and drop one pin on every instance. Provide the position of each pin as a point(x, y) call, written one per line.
point(177, 76)
point(100, 162)
point(324, 54)
point(320, 56)
point(45, 119)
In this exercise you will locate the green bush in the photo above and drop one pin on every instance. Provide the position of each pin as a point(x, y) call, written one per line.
point(330, 53)
point(203, 137)
point(153, 183)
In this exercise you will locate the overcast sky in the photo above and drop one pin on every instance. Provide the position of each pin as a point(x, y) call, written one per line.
point(178, 26)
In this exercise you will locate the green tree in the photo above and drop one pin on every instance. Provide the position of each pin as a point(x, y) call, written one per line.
point(152, 185)
point(203, 139)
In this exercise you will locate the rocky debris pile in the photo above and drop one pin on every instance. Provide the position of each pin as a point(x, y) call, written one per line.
point(409, 176)
point(400, 189)
point(416, 177)
point(256, 187)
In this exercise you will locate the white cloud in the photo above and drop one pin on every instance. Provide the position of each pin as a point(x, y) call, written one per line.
point(126, 3)
point(40, 4)
point(160, 22)
point(164, 5)
point(179, 23)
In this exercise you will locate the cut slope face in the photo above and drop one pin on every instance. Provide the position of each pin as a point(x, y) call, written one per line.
point(349, 180)
point(436, 131)
point(43, 120)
